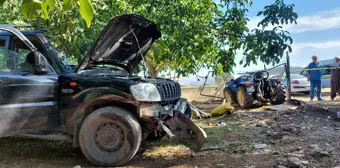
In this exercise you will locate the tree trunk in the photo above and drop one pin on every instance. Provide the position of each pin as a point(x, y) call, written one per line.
point(153, 70)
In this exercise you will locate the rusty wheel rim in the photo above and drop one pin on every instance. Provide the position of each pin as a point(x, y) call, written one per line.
point(240, 98)
point(110, 137)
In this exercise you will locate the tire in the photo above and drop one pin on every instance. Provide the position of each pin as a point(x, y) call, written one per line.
point(279, 98)
point(230, 96)
point(110, 136)
point(243, 98)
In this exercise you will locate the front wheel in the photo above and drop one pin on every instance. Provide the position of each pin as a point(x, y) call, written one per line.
point(244, 99)
point(110, 136)
point(230, 96)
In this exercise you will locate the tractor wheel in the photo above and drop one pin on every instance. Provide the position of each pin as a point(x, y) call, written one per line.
point(230, 96)
point(279, 97)
point(243, 98)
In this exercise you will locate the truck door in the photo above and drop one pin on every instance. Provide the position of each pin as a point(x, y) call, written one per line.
point(27, 101)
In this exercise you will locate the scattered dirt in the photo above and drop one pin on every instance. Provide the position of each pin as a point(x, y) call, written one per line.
point(305, 137)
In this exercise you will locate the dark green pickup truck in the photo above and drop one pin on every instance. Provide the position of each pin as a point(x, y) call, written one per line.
point(99, 107)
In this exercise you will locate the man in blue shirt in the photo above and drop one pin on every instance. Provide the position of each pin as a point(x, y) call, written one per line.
point(314, 77)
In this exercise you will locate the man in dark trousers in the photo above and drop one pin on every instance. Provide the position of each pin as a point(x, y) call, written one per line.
point(314, 77)
point(335, 79)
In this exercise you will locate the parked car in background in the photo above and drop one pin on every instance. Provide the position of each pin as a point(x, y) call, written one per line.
point(326, 73)
point(299, 83)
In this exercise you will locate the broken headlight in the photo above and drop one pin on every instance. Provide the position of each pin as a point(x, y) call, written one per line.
point(145, 92)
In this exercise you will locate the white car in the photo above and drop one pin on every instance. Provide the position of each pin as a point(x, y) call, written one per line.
point(299, 83)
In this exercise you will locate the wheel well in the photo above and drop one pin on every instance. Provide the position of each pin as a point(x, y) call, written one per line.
point(131, 108)
point(127, 106)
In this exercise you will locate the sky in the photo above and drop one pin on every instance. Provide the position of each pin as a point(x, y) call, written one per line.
point(317, 31)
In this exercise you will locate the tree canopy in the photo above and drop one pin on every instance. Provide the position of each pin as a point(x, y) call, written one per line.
point(196, 33)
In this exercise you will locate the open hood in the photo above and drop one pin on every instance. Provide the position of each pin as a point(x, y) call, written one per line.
point(117, 43)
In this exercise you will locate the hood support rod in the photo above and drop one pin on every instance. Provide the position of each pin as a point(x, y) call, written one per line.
point(139, 49)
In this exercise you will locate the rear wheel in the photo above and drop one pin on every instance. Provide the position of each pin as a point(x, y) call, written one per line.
point(230, 96)
point(279, 97)
point(110, 136)
point(243, 98)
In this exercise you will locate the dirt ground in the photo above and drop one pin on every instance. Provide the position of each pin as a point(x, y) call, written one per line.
point(305, 137)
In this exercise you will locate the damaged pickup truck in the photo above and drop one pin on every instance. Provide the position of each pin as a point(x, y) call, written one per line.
point(100, 107)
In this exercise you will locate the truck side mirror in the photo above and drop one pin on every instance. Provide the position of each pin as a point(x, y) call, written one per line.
point(40, 63)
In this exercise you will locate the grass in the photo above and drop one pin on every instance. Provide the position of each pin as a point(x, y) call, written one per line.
point(196, 87)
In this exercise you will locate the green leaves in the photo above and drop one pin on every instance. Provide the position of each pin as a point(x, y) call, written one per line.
point(2, 2)
point(29, 8)
point(86, 11)
point(266, 45)
point(67, 4)
point(47, 6)
point(260, 13)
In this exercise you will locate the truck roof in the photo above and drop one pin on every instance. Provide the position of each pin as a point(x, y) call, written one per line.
point(24, 32)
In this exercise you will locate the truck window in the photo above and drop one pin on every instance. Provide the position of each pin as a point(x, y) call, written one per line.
point(2, 43)
point(2, 53)
point(23, 61)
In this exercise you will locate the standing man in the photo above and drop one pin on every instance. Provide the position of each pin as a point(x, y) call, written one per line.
point(314, 77)
point(335, 79)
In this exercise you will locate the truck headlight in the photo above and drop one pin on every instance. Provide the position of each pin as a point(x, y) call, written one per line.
point(146, 92)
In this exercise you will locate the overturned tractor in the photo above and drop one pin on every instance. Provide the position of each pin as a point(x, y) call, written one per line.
point(252, 88)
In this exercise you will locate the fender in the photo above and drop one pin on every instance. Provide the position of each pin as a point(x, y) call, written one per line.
point(94, 98)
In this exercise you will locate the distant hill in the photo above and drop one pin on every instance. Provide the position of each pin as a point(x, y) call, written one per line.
point(193, 80)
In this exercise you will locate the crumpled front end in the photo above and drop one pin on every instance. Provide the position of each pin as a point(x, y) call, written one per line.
point(174, 120)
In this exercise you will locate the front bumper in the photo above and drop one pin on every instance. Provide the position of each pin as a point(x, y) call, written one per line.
point(300, 89)
point(157, 110)
point(174, 119)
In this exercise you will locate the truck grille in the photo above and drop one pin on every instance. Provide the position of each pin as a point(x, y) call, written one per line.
point(169, 90)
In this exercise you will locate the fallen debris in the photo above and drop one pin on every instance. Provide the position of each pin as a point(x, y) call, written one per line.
point(221, 165)
point(222, 109)
point(318, 152)
point(221, 123)
point(199, 113)
point(294, 162)
point(259, 146)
